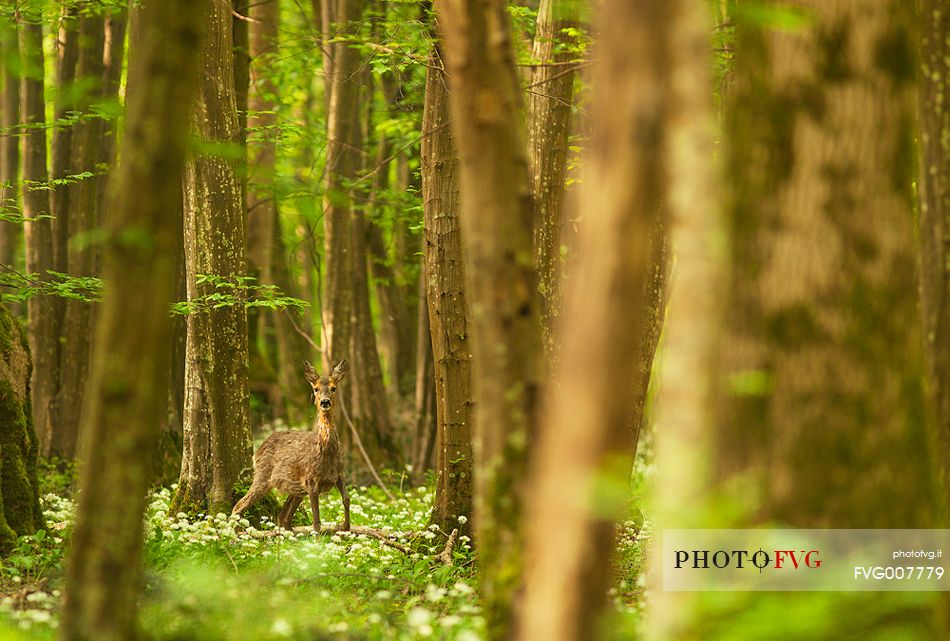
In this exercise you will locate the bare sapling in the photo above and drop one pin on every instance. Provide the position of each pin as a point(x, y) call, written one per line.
point(303, 463)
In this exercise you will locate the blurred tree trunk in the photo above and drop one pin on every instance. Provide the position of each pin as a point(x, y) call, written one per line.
point(550, 96)
point(449, 316)
point(217, 443)
point(127, 390)
point(934, 197)
point(497, 226)
point(603, 338)
point(342, 164)
point(824, 333)
point(88, 149)
point(10, 232)
point(20, 513)
point(44, 340)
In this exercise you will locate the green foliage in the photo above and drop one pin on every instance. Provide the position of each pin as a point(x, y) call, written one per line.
point(235, 291)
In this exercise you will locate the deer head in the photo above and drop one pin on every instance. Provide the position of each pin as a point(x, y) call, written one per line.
point(324, 388)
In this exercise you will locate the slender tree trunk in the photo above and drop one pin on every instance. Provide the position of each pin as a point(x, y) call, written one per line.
point(266, 252)
point(9, 144)
point(44, 341)
point(342, 165)
point(449, 315)
point(550, 96)
point(607, 309)
point(217, 445)
point(934, 197)
point(82, 256)
point(127, 391)
point(497, 224)
point(426, 428)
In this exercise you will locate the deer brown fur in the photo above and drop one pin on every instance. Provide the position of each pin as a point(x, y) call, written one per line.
point(303, 463)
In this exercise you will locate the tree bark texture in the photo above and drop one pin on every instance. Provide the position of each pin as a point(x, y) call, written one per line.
point(127, 392)
point(934, 198)
point(497, 226)
point(44, 339)
point(426, 428)
point(449, 314)
point(550, 97)
point(20, 512)
point(217, 444)
point(585, 438)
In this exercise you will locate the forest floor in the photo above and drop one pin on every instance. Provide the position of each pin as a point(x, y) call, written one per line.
point(217, 578)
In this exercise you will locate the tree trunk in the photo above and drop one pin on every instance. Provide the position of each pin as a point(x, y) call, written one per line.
point(604, 339)
point(10, 232)
point(127, 390)
point(266, 252)
point(44, 340)
point(934, 197)
point(449, 315)
point(814, 403)
point(426, 429)
point(82, 256)
point(550, 96)
point(217, 444)
point(20, 512)
point(497, 224)
point(342, 165)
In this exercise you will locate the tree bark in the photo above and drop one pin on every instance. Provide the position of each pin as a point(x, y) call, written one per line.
point(217, 444)
point(497, 225)
point(10, 232)
point(934, 198)
point(127, 391)
point(426, 428)
point(44, 339)
point(20, 512)
point(82, 254)
point(449, 315)
point(342, 164)
point(550, 96)
point(585, 440)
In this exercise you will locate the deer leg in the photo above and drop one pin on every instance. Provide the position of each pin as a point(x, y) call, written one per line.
point(255, 494)
point(315, 508)
point(341, 486)
point(286, 516)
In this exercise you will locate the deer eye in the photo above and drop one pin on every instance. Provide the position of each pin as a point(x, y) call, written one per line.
point(333, 388)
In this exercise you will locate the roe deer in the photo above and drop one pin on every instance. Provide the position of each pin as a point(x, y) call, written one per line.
point(303, 463)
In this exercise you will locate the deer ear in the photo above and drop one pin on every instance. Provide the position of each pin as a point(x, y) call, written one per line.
point(339, 372)
point(310, 373)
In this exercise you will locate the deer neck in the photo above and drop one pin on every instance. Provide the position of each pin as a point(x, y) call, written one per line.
point(325, 422)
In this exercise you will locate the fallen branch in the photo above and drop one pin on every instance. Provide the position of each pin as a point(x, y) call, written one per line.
point(445, 556)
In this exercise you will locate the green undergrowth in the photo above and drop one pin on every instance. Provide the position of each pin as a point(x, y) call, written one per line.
point(215, 577)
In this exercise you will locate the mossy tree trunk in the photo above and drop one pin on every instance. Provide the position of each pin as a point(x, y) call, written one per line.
point(128, 388)
point(497, 229)
point(217, 440)
point(20, 512)
point(448, 308)
point(934, 199)
point(585, 443)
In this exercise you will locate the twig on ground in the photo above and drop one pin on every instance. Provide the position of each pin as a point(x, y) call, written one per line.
point(445, 556)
